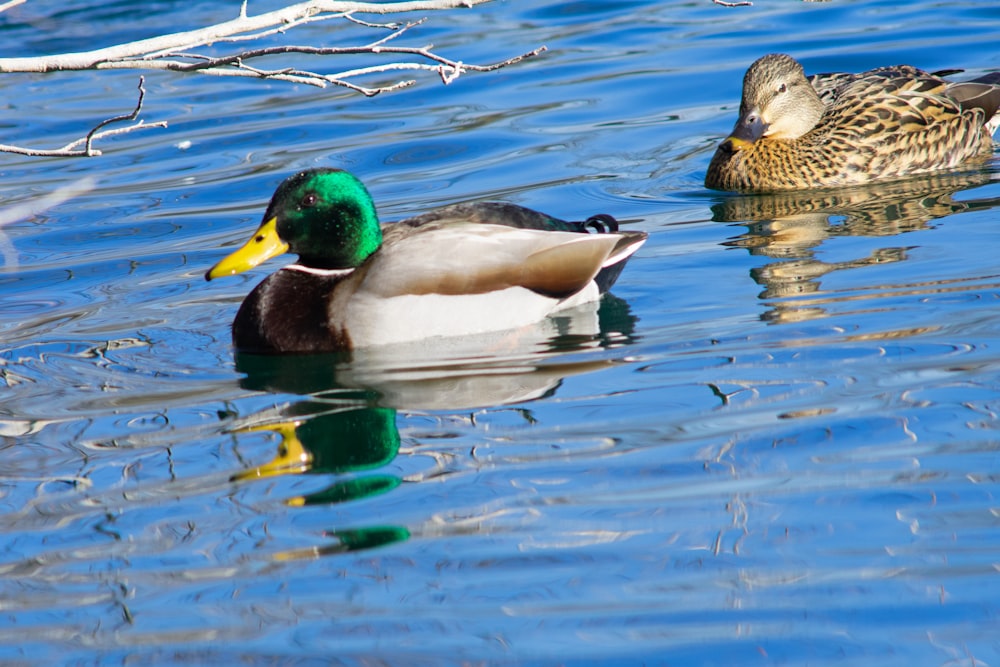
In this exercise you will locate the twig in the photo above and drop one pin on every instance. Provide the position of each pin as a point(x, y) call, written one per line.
point(12, 3)
point(278, 20)
point(423, 52)
point(367, 24)
point(741, 3)
point(128, 116)
point(396, 32)
point(173, 52)
point(240, 58)
point(70, 150)
point(112, 133)
point(236, 65)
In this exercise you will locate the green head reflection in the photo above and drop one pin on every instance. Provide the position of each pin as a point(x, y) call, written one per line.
point(340, 441)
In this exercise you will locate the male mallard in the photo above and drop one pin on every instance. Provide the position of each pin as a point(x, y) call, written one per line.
point(462, 269)
point(848, 129)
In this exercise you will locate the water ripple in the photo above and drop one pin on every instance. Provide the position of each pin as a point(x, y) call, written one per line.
point(775, 442)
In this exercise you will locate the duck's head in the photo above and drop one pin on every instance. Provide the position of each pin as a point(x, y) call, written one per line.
point(325, 216)
point(778, 102)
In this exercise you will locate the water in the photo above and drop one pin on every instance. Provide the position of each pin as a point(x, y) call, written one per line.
point(775, 445)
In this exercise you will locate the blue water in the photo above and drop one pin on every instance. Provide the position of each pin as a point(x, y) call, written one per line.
point(776, 443)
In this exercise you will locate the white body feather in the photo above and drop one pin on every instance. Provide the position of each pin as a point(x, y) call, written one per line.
point(401, 319)
point(461, 281)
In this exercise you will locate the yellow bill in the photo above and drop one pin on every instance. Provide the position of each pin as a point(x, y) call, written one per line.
point(737, 143)
point(262, 246)
point(293, 457)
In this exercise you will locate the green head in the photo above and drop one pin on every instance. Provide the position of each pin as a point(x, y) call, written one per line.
point(326, 216)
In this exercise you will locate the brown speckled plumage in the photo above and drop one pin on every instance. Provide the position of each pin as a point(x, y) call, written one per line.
point(849, 129)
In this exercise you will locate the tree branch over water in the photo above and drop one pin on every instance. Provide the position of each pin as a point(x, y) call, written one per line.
point(178, 52)
point(71, 149)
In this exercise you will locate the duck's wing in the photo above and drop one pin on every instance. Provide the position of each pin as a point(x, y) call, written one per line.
point(452, 258)
point(891, 101)
point(829, 85)
point(905, 89)
point(519, 217)
point(896, 121)
point(509, 215)
point(980, 93)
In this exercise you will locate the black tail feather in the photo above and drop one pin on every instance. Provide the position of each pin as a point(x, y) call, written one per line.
point(602, 223)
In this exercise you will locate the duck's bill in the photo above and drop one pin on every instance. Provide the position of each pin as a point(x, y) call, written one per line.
point(748, 129)
point(293, 457)
point(262, 246)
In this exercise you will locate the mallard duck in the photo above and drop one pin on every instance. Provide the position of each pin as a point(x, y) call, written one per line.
point(462, 269)
point(846, 129)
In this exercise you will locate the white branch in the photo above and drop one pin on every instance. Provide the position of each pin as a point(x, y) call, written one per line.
point(242, 24)
point(173, 52)
point(236, 65)
point(71, 150)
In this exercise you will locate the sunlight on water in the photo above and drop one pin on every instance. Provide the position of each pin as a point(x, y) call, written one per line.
point(774, 443)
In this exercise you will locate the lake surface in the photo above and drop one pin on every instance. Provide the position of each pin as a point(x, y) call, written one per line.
point(775, 443)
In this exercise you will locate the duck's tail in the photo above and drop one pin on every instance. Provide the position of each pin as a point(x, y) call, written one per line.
point(980, 93)
point(602, 223)
point(628, 243)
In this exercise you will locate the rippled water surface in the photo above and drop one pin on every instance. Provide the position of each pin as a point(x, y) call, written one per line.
point(775, 443)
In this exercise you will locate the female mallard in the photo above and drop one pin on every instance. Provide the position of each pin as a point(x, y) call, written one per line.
point(848, 129)
point(461, 269)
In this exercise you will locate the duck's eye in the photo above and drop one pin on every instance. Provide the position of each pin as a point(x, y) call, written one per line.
point(782, 88)
point(308, 201)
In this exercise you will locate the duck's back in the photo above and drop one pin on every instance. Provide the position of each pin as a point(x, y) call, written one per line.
point(896, 121)
point(448, 255)
point(511, 215)
point(831, 85)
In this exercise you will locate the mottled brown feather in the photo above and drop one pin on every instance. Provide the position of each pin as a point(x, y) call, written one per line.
point(888, 122)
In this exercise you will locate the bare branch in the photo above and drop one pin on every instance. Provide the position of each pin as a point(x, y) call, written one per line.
point(175, 52)
point(71, 150)
point(236, 64)
point(350, 17)
point(148, 54)
point(396, 31)
point(115, 119)
point(291, 15)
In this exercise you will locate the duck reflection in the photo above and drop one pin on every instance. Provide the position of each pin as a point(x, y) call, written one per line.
point(456, 373)
point(323, 438)
point(346, 438)
point(345, 428)
point(791, 226)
